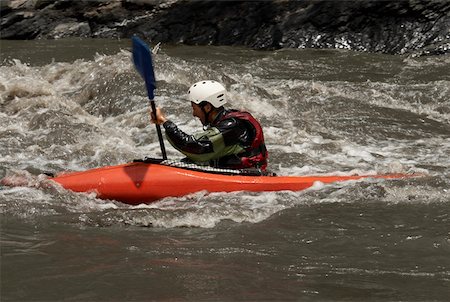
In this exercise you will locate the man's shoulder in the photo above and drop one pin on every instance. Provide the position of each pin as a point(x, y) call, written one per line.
point(228, 122)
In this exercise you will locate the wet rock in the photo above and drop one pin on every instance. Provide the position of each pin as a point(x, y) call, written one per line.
point(5, 7)
point(396, 27)
point(70, 29)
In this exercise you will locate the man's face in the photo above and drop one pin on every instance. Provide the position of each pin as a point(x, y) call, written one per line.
point(198, 112)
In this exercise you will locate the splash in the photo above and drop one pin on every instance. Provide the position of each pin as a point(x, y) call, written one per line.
point(323, 112)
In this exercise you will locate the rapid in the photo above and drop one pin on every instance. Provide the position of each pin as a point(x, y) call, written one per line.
point(79, 104)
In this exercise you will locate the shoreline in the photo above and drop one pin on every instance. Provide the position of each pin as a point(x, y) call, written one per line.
point(414, 27)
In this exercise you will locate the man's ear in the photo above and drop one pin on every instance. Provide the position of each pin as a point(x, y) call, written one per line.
point(208, 107)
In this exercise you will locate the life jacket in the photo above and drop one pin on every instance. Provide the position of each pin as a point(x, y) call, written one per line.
point(255, 155)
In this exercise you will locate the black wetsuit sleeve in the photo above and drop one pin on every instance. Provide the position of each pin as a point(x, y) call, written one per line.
point(186, 142)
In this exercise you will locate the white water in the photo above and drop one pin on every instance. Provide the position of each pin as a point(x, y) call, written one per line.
point(93, 112)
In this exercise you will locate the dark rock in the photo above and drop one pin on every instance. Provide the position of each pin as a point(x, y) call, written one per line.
point(12, 18)
point(40, 4)
point(395, 27)
point(5, 8)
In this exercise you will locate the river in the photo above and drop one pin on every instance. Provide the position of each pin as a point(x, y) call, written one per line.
point(78, 104)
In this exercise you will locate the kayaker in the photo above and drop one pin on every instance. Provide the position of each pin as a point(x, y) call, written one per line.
point(230, 138)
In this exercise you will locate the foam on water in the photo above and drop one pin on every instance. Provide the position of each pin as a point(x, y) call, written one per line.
point(202, 209)
point(317, 118)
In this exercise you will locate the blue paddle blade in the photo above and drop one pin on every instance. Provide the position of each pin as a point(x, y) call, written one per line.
point(142, 58)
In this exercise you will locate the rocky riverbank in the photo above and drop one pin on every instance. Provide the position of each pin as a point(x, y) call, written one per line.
point(396, 27)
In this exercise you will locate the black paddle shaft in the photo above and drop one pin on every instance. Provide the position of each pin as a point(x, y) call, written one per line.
point(158, 130)
point(142, 58)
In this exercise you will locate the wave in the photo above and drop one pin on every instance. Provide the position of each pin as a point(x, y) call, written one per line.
point(328, 112)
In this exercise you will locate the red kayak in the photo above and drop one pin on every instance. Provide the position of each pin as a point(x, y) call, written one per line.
point(143, 182)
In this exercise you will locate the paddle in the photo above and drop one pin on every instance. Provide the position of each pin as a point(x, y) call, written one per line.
point(142, 58)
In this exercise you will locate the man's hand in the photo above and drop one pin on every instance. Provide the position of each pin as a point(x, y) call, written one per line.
point(159, 119)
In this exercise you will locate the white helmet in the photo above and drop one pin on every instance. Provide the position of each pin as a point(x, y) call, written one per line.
point(210, 91)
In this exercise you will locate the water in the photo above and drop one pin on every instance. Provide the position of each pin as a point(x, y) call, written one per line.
point(79, 104)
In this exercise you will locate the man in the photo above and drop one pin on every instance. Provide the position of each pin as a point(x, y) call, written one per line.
point(231, 138)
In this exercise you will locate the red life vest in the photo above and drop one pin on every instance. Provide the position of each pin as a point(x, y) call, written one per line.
point(255, 155)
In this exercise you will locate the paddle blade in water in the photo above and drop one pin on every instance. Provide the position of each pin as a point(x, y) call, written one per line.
point(142, 59)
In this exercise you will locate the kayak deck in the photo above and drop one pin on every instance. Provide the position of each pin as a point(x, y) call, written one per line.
point(143, 182)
